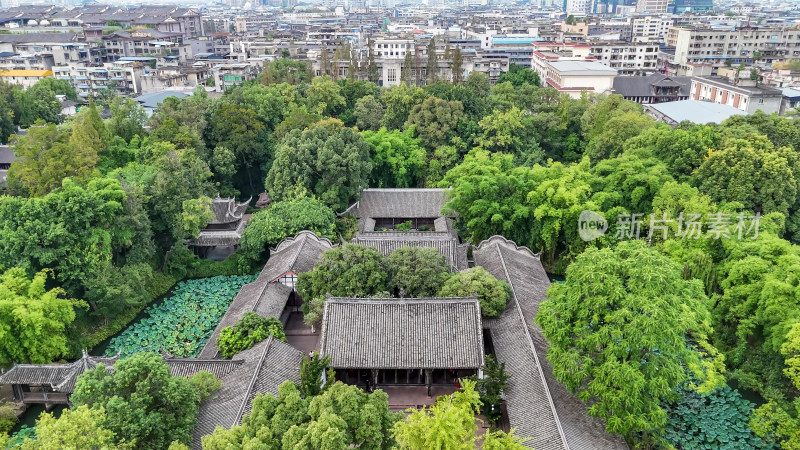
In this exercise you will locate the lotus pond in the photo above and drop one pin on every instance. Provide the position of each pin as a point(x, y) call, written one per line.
point(182, 324)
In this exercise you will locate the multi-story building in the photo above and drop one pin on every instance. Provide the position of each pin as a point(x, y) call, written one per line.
point(652, 6)
point(651, 28)
point(229, 75)
point(573, 75)
point(683, 6)
point(578, 7)
point(742, 94)
point(145, 42)
point(716, 45)
point(620, 7)
point(627, 58)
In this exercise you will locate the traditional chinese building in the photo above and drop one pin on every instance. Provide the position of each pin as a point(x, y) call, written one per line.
point(225, 229)
point(389, 219)
point(272, 294)
point(419, 341)
point(49, 384)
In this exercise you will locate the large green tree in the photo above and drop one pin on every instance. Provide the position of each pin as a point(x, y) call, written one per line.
point(74, 429)
point(346, 271)
point(488, 194)
point(397, 158)
point(332, 164)
point(143, 402)
point(625, 330)
point(753, 172)
point(341, 417)
point(435, 120)
point(127, 118)
point(399, 101)
point(285, 219)
point(368, 113)
point(519, 75)
point(241, 131)
point(493, 294)
point(45, 156)
point(417, 271)
point(512, 132)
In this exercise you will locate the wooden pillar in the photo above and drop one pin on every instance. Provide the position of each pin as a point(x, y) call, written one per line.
point(429, 380)
point(17, 392)
point(374, 378)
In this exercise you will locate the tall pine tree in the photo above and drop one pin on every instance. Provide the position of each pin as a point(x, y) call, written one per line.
point(432, 68)
point(457, 66)
point(406, 74)
point(372, 68)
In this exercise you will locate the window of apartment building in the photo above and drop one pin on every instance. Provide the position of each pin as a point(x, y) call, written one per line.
point(391, 75)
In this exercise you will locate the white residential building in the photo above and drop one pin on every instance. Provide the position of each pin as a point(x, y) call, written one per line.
point(627, 58)
point(746, 96)
point(651, 28)
point(574, 77)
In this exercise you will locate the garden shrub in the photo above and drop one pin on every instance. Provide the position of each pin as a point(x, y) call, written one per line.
point(247, 332)
point(8, 418)
point(493, 294)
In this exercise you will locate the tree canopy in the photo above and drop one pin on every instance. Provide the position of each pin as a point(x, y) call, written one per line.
point(143, 402)
point(625, 330)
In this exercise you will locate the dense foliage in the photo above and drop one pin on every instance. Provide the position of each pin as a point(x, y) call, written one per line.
point(247, 332)
point(341, 417)
point(182, 324)
point(267, 228)
point(33, 320)
point(143, 402)
point(346, 271)
point(450, 423)
point(80, 427)
point(491, 387)
point(417, 271)
point(628, 311)
point(493, 294)
point(109, 205)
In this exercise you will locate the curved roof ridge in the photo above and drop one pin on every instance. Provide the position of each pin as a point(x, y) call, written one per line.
point(498, 239)
point(304, 234)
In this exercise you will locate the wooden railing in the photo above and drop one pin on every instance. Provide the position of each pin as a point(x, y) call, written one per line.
point(45, 397)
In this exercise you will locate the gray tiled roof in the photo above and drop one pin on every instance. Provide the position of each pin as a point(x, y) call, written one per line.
point(221, 238)
point(7, 155)
point(425, 333)
point(297, 255)
point(187, 367)
point(388, 241)
point(61, 377)
point(538, 405)
point(400, 203)
point(643, 86)
point(226, 210)
point(264, 368)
